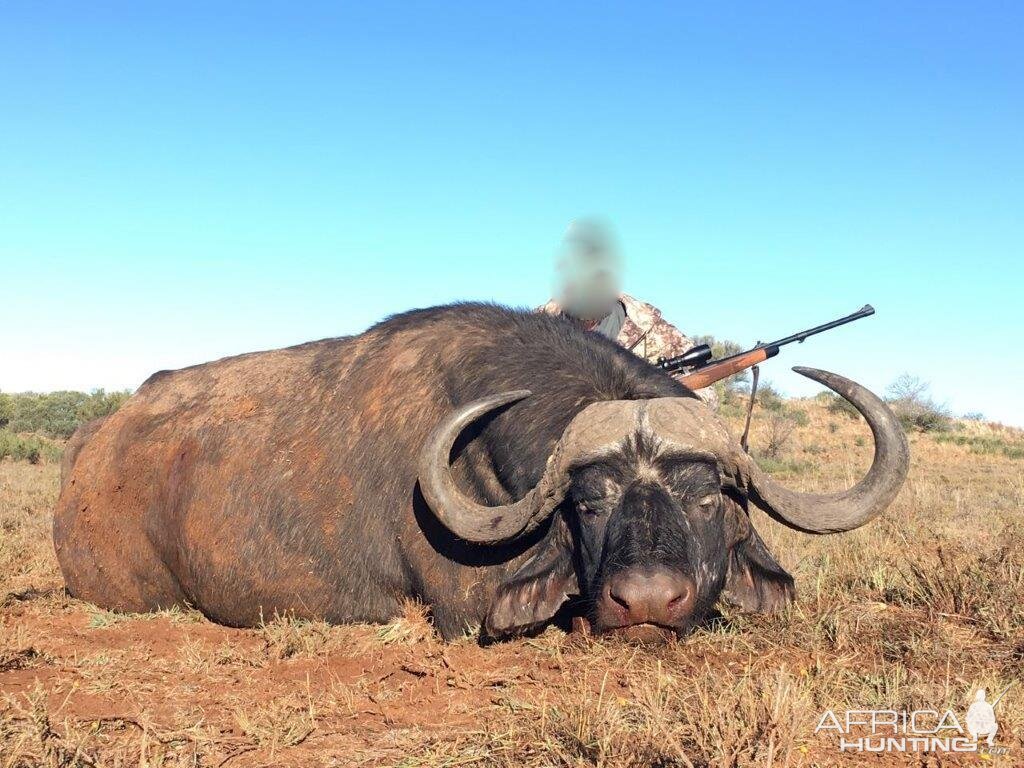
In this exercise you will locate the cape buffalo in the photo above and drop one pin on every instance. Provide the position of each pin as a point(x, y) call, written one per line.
point(491, 463)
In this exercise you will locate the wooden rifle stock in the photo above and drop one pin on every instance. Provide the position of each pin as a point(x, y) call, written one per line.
point(709, 374)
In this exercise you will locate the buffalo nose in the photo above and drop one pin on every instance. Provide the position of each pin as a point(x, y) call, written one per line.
point(647, 596)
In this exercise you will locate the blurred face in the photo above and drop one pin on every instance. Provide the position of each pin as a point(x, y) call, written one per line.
point(587, 273)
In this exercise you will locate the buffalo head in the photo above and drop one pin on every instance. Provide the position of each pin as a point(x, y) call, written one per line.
point(654, 523)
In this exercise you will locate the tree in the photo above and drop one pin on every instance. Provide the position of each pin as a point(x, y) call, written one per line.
point(909, 398)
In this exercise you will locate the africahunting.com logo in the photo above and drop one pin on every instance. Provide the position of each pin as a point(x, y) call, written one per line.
point(921, 730)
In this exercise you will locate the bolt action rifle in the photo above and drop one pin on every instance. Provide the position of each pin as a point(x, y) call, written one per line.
point(700, 370)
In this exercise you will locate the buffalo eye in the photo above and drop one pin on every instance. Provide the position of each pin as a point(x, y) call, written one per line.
point(593, 493)
point(709, 504)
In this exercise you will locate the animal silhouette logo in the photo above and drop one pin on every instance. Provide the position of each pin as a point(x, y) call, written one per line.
point(981, 716)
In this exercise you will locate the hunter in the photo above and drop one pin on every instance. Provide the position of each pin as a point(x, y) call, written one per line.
point(587, 292)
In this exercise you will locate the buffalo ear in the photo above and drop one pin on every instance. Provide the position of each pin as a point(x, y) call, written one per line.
point(538, 588)
point(755, 581)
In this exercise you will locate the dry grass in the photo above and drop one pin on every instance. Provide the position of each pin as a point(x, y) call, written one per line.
point(915, 611)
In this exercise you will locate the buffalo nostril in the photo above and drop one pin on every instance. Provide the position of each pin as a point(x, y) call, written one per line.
point(678, 599)
point(625, 598)
point(621, 600)
point(681, 592)
point(629, 597)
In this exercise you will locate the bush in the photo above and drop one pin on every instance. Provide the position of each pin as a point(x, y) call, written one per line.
point(769, 398)
point(800, 417)
point(781, 466)
point(778, 431)
point(6, 409)
point(737, 392)
point(985, 444)
point(915, 408)
point(838, 405)
point(56, 414)
point(30, 448)
point(925, 419)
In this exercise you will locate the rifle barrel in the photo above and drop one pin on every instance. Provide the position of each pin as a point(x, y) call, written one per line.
point(866, 311)
point(773, 346)
point(698, 358)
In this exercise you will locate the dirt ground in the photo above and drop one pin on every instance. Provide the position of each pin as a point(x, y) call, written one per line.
point(916, 611)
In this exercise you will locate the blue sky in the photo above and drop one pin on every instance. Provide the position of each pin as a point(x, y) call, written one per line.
point(184, 181)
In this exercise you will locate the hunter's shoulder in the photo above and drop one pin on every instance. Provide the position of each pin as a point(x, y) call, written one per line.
point(640, 312)
point(648, 316)
point(549, 308)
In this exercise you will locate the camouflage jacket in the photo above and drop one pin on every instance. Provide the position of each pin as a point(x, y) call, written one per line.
point(648, 335)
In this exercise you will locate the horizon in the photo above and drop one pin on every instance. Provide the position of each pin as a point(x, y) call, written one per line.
point(183, 186)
